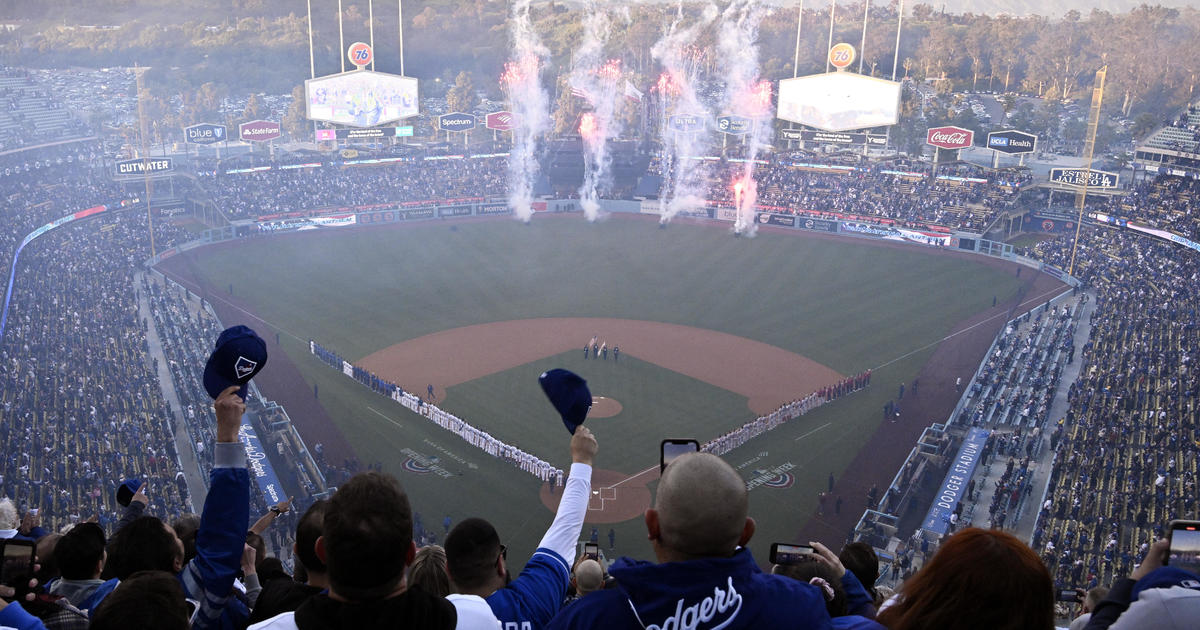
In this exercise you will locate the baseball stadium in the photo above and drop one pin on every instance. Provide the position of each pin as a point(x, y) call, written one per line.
point(432, 342)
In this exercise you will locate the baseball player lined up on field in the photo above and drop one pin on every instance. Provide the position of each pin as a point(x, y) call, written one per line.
point(788, 411)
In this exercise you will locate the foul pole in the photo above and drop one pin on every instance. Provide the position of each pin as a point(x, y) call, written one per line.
point(1089, 147)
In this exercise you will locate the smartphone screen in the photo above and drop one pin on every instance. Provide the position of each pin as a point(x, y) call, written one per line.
point(591, 550)
point(670, 449)
point(17, 567)
point(1185, 546)
point(1068, 595)
point(784, 553)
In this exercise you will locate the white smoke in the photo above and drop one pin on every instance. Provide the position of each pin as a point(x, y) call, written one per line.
point(737, 43)
point(529, 104)
point(684, 175)
point(598, 82)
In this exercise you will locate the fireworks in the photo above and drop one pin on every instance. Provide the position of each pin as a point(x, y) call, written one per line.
point(588, 127)
point(610, 71)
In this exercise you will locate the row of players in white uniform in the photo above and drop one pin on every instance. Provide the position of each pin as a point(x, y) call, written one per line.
point(762, 424)
point(482, 439)
point(548, 473)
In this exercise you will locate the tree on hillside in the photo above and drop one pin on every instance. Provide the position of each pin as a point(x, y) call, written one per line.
point(462, 97)
point(254, 107)
point(294, 123)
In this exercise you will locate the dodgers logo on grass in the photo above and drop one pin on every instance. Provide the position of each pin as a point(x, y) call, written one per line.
point(414, 466)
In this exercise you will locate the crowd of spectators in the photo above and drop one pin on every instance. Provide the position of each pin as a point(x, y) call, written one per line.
point(1126, 459)
point(277, 191)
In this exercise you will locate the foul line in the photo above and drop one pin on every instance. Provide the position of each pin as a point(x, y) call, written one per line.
point(380, 414)
point(1035, 300)
point(632, 477)
point(812, 432)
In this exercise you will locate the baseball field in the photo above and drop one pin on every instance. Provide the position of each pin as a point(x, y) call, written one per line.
point(713, 330)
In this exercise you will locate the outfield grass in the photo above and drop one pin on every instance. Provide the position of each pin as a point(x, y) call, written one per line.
point(843, 302)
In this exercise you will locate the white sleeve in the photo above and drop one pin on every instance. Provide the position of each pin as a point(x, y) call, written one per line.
point(564, 532)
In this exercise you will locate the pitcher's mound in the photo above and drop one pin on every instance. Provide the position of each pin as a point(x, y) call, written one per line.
point(604, 407)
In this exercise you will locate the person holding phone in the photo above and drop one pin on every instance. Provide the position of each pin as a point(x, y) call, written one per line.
point(1156, 595)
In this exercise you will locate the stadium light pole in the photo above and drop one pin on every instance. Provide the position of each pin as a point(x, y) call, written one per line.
point(862, 45)
point(341, 38)
point(899, 25)
point(371, 28)
point(832, 11)
point(400, 22)
point(799, 23)
point(140, 72)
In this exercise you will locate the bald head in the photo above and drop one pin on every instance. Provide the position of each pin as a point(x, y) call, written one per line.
point(588, 577)
point(701, 508)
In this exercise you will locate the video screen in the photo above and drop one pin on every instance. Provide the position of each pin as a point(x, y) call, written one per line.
point(361, 98)
point(839, 101)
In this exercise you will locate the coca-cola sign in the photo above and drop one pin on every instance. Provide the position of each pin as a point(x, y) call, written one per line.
point(950, 137)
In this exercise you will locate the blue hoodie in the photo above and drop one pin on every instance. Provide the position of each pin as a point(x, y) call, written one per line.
point(708, 593)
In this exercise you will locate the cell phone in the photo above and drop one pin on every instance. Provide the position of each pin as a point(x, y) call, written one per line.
point(672, 448)
point(1069, 595)
point(591, 550)
point(16, 568)
point(787, 553)
point(1185, 546)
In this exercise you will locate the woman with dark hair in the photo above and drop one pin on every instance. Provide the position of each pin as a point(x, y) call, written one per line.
point(979, 580)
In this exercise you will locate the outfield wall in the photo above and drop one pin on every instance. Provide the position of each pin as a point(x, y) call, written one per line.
point(823, 222)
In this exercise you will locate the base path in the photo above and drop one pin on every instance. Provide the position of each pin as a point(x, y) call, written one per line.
point(766, 375)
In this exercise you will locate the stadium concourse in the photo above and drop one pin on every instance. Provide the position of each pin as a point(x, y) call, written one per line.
point(99, 382)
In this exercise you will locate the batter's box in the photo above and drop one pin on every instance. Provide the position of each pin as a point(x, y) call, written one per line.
point(595, 501)
point(608, 494)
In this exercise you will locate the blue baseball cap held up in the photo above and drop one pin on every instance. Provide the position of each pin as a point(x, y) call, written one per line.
point(239, 355)
point(569, 394)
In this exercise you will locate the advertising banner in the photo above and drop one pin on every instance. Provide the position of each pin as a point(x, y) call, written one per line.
point(260, 466)
point(767, 218)
point(387, 216)
point(686, 123)
point(1012, 142)
point(204, 133)
point(1079, 176)
point(831, 137)
point(454, 211)
point(501, 121)
point(727, 214)
point(259, 131)
point(456, 121)
point(372, 132)
point(139, 166)
point(819, 225)
point(954, 486)
point(733, 125)
point(949, 137)
point(418, 213)
point(651, 206)
point(493, 208)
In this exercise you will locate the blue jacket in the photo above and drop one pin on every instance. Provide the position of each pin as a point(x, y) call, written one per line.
point(209, 577)
point(13, 616)
point(729, 593)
